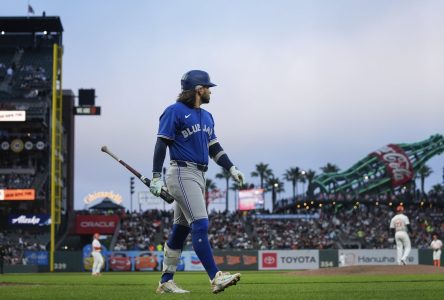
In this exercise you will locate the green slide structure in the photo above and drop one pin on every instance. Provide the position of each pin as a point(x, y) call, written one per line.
point(386, 169)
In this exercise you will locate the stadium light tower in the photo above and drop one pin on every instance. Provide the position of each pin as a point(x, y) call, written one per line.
point(131, 192)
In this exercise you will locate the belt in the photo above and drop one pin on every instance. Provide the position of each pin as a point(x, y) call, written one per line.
point(181, 163)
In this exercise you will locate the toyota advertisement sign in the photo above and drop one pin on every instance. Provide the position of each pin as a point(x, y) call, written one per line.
point(90, 224)
point(288, 259)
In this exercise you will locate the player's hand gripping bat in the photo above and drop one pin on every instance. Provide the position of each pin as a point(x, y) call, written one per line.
point(163, 194)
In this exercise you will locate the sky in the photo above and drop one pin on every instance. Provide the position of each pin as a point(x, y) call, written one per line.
point(299, 83)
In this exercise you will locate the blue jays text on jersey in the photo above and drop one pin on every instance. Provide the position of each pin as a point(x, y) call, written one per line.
point(190, 129)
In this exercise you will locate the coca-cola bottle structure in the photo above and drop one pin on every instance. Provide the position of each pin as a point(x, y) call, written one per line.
point(386, 169)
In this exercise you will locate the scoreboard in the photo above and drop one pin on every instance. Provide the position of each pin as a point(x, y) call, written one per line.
point(87, 110)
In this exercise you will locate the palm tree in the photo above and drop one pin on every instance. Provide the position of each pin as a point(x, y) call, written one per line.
point(224, 174)
point(424, 171)
point(437, 189)
point(209, 186)
point(330, 168)
point(275, 186)
point(292, 175)
point(263, 172)
point(310, 175)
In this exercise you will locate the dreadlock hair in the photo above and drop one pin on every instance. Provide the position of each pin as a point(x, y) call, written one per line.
point(187, 97)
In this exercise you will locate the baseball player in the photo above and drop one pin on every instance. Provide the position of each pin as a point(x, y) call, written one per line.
point(436, 245)
point(187, 130)
point(399, 224)
point(98, 259)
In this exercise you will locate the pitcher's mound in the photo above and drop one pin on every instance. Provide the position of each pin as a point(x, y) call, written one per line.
point(373, 270)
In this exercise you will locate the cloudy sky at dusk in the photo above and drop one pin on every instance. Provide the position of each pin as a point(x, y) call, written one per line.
point(300, 83)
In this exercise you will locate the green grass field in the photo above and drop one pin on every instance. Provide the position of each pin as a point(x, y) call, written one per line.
point(253, 285)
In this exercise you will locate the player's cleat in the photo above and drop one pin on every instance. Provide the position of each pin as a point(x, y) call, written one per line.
point(170, 287)
point(403, 262)
point(222, 280)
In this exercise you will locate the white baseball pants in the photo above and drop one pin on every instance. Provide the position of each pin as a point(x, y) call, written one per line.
point(98, 262)
point(403, 245)
point(436, 254)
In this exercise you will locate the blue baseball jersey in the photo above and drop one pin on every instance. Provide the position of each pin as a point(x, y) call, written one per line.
point(190, 129)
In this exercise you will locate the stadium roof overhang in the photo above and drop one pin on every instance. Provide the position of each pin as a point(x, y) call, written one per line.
point(30, 24)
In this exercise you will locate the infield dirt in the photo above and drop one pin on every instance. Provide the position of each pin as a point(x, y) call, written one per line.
point(372, 270)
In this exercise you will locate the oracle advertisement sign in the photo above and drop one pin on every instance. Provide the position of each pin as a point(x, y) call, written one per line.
point(90, 224)
point(368, 257)
point(288, 259)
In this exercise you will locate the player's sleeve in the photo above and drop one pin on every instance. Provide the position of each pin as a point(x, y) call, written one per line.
point(159, 154)
point(219, 156)
point(168, 122)
point(392, 224)
point(213, 138)
point(407, 222)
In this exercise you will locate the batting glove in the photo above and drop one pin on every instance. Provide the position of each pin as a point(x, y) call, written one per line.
point(237, 175)
point(156, 186)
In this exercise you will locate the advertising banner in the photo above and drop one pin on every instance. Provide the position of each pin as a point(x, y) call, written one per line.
point(90, 224)
point(29, 220)
point(191, 261)
point(288, 259)
point(17, 194)
point(251, 199)
point(286, 216)
point(369, 257)
point(12, 115)
point(36, 257)
point(236, 260)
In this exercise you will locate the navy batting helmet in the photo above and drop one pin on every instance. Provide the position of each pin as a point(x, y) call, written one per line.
point(193, 78)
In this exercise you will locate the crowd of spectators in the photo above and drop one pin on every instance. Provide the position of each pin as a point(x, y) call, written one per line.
point(16, 181)
point(15, 243)
point(339, 225)
point(345, 226)
point(138, 231)
point(315, 225)
point(25, 74)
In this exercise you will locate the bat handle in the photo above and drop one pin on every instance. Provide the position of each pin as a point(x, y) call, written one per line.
point(166, 196)
point(163, 193)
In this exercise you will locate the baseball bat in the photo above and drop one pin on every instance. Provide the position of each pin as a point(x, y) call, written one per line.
point(163, 194)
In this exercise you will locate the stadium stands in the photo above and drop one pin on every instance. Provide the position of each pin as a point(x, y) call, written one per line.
point(337, 226)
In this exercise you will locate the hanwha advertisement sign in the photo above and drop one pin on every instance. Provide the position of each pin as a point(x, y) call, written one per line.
point(90, 224)
point(381, 257)
point(288, 259)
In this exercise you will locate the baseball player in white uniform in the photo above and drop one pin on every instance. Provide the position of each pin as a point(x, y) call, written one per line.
point(98, 259)
point(436, 245)
point(400, 224)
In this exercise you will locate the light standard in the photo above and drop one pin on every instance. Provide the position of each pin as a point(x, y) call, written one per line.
point(131, 192)
point(303, 181)
point(274, 186)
